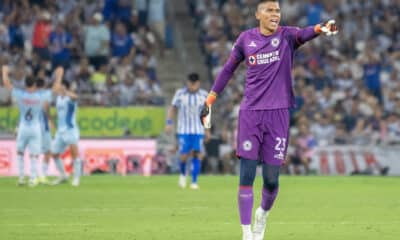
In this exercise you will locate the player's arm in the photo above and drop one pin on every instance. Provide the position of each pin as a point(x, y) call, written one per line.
point(222, 80)
point(327, 28)
point(170, 119)
point(6, 80)
point(71, 95)
point(59, 72)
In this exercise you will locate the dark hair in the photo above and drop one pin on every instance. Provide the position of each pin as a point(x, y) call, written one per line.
point(264, 1)
point(40, 83)
point(66, 84)
point(193, 77)
point(30, 82)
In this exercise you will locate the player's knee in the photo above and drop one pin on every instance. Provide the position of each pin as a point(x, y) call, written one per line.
point(196, 154)
point(247, 172)
point(271, 185)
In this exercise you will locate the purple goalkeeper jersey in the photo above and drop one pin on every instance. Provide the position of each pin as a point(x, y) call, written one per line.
point(269, 61)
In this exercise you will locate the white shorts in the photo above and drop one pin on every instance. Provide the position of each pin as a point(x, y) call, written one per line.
point(64, 139)
point(31, 138)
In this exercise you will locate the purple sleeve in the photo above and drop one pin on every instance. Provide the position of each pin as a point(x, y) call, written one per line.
point(298, 36)
point(229, 68)
point(306, 34)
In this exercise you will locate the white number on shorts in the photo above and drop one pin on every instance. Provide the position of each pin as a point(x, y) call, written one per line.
point(280, 144)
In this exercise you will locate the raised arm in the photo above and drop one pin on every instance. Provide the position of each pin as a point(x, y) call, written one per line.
point(59, 72)
point(6, 79)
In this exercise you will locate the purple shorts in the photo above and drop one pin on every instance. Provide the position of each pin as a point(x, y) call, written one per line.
point(263, 134)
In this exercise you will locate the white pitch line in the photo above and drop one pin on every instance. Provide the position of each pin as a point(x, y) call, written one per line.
point(47, 224)
point(337, 223)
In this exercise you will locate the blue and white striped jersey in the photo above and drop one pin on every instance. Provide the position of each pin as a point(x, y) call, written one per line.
point(66, 113)
point(189, 106)
point(30, 105)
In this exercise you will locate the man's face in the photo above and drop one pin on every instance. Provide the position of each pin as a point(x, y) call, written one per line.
point(269, 15)
point(193, 86)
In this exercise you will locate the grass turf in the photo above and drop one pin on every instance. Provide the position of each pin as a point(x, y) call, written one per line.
point(112, 207)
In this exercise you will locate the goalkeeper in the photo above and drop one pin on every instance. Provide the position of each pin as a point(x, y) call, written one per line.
point(263, 127)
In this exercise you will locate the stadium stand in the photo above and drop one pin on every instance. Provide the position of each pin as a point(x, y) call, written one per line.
point(107, 47)
point(347, 88)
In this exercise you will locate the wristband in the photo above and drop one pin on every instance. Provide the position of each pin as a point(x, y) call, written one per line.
point(169, 122)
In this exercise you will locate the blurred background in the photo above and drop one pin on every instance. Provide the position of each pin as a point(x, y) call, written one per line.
point(126, 58)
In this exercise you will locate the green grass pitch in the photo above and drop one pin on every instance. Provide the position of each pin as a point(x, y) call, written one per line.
point(139, 208)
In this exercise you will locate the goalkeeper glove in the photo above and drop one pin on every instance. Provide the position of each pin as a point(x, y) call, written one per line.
point(205, 114)
point(328, 28)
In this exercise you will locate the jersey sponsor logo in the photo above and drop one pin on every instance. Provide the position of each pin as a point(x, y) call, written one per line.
point(264, 58)
point(30, 101)
point(275, 42)
point(247, 145)
point(252, 44)
point(252, 60)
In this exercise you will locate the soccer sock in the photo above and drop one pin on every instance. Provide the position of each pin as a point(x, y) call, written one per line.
point(45, 167)
point(245, 203)
point(196, 164)
point(60, 167)
point(268, 198)
point(21, 166)
point(33, 167)
point(77, 168)
point(182, 166)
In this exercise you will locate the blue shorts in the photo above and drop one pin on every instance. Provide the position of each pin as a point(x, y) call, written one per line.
point(190, 142)
point(31, 138)
point(63, 139)
point(46, 141)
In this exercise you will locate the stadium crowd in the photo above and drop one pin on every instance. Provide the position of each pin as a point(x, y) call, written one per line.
point(347, 87)
point(109, 48)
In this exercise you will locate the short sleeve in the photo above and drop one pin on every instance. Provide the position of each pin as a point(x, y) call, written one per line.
point(175, 99)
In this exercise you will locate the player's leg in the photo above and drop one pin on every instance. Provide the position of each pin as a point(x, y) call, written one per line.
point(71, 138)
point(184, 150)
point(77, 164)
point(34, 147)
point(46, 145)
point(21, 145)
point(248, 146)
point(197, 143)
point(273, 154)
point(245, 195)
point(58, 148)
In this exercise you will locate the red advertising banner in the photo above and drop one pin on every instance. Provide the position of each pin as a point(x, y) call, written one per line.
point(114, 156)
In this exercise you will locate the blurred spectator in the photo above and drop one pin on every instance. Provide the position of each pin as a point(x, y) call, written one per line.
point(156, 17)
point(128, 91)
point(122, 44)
point(41, 35)
point(60, 44)
point(97, 37)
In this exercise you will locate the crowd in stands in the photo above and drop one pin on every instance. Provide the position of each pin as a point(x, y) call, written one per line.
point(109, 48)
point(347, 87)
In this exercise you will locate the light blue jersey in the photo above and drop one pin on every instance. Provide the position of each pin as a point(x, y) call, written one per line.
point(67, 128)
point(189, 107)
point(30, 105)
point(45, 127)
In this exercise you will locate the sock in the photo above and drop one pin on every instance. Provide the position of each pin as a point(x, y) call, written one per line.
point(245, 203)
point(246, 229)
point(33, 167)
point(268, 198)
point(60, 167)
point(196, 164)
point(21, 166)
point(182, 165)
point(45, 167)
point(77, 168)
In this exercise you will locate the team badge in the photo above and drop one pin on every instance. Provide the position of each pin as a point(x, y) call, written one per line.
point(275, 42)
point(252, 60)
point(247, 145)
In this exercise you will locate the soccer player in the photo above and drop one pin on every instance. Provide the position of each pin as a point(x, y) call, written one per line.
point(263, 123)
point(30, 104)
point(67, 134)
point(187, 103)
point(46, 134)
